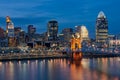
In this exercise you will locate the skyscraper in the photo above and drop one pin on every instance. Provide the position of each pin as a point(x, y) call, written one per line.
point(10, 32)
point(31, 29)
point(52, 30)
point(10, 29)
point(2, 34)
point(7, 22)
point(101, 28)
point(17, 31)
point(67, 34)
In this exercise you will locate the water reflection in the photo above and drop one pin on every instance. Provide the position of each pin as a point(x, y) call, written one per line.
point(61, 69)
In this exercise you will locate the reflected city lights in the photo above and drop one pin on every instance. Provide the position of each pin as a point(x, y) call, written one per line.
point(61, 69)
point(28, 61)
point(0, 63)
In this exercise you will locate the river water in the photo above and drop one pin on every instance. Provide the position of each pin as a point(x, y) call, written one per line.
point(61, 69)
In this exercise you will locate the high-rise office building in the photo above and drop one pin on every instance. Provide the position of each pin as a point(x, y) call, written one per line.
point(11, 36)
point(10, 29)
point(31, 29)
point(10, 32)
point(2, 33)
point(7, 22)
point(67, 34)
point(31, 33)
point(22, 35)
point(52, 30)
point(101, 28)
point(17, 31)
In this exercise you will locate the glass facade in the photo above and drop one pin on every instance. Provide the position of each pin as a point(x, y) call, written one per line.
point(52, 30)
point(101, 28)
point(31, 29)
point(10, 29)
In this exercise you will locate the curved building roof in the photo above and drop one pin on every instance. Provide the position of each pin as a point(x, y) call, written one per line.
point(101, 15)
point(83, 28)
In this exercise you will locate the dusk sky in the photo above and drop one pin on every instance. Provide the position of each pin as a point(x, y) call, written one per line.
point(68, 13)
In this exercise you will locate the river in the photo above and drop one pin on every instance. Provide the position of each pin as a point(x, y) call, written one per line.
point(61, 69)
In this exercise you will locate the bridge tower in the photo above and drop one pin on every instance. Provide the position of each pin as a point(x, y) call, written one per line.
point(76, 48)
point(75, 44)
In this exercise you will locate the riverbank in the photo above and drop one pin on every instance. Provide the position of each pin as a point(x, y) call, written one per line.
point(31, 56)
point(100, 55)
point(9, 57)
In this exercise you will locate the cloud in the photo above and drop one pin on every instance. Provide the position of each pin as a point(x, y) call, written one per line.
point(67, 12)
point(20, 8)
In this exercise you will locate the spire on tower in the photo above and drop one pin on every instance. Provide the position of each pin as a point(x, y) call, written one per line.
point(8, 19)
point(101, 15)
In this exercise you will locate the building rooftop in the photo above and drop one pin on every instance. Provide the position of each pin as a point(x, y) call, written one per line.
point(101, 15)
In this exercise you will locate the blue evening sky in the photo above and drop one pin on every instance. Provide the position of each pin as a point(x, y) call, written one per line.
point(68, 13)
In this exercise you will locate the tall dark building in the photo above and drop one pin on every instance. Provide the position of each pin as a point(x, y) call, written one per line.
point(67, 34)
point(101, 28)
point(2, 33)
point(31, 29)
point(17, 31)
point(52, 30)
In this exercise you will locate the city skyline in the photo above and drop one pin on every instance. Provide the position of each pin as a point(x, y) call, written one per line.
point(68, 13)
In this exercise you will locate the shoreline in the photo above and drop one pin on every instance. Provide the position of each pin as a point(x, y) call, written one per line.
point(101, 55)
point(31, 57)
point(57, 56)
